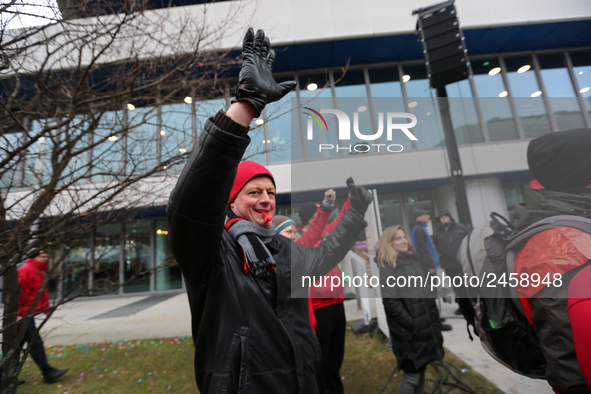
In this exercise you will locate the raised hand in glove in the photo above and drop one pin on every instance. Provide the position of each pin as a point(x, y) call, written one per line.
point(360, 197)
point(255, 83)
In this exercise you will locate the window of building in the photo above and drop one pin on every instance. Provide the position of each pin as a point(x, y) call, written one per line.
point(582, 69)
point(386, 92)
point(351, 97)
point(205, 109)
point(10, 174)
point(390, 210)
point(423, 104)
point(107, 153)
point(418, 200)
point(277, 116)
point(167, 274)
point(107, 257)
point(136, 266)
point(560, 92)
point(37, 159)
point(493, 99)
point(141, 147)
point(315, 92)
point(176, 131)
point(77, 263)
point(527, 96)
point(513, 196)
point(464, 117)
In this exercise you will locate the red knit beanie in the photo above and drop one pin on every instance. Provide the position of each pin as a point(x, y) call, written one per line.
point(247, 170)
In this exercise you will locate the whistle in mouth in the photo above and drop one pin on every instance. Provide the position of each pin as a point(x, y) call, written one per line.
point(267, 217)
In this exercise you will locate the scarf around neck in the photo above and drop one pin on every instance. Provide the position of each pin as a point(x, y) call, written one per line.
point(409, 255)
point(252, 239)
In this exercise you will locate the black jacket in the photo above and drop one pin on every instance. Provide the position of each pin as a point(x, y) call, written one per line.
point(413, 318)
point(447, 239)
point(422, 247)
point(250, 335)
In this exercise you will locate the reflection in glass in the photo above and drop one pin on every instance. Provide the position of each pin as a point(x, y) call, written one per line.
point(282, 148)
point(319, 133)
point(107, 155)
point(493, 100)
point(175, 131)
point(387, 97)
point(35, 172)
point(513, 196)
point(10, 176)
point(168, 273)
point(560, 92)
point(207, 109)
point(320, 79)
point(463, 113)
point(56, 256)
point(582, 69)
point(390, 210)
point(141, 146)
point(423, 104)
point(136, 267)
point(77, 262)
point(352, 85)
point(525, 89)
point(107, 250)
point(413, 201)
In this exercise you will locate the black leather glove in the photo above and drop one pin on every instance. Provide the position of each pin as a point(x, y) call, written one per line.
point(360, 197)
point(255, 83)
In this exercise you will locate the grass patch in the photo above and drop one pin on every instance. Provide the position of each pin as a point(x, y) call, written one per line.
point(368, 364)
point(126, 367)
point(166, 366)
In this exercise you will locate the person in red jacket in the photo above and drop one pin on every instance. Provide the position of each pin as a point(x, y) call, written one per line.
point(31, 276)
point(329, 310)
point(559, 313)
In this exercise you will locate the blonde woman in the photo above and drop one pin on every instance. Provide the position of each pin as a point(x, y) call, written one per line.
point(413, 318)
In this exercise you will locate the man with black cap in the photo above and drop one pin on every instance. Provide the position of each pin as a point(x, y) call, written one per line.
point(448, 236)
point(560, 314)
point(30, 277)
point(251, 334)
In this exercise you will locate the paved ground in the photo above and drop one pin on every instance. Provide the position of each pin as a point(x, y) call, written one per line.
point(117, 318)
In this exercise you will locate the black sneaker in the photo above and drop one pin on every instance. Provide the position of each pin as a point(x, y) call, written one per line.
point(54, 374)
point(458, 312)
point(21, 382)
point(389, 343)
point(446, 327)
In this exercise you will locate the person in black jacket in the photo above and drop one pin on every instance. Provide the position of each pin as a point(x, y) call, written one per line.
point(413, 317)
point(447, 238)
point(251, 334)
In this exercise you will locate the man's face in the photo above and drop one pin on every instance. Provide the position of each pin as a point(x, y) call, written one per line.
point(424, 218)
point(445, 219)
point(42, 258)
point(256, 197)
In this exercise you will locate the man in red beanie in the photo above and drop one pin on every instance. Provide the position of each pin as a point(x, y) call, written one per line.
point(251, 334)
point(560, 314)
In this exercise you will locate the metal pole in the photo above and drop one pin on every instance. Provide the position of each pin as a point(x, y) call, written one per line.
point(457, 175)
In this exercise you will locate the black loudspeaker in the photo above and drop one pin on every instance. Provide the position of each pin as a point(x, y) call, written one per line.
point(443, 44)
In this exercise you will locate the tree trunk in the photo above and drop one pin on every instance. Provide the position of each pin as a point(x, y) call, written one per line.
point(11, 347)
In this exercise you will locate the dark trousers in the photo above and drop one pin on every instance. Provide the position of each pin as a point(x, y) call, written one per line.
point(37, 350)
point(330, 330)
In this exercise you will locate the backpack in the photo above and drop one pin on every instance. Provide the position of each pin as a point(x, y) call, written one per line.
point(495, 312)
